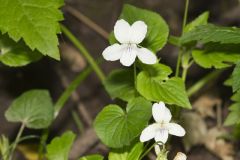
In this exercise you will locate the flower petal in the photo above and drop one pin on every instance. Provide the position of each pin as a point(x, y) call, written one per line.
point(138, 32)
point(129, 54)
point(161, 113)
point(161, 135)
point(122, 31)
point(180, 156)
point(146, 56)
point(157, 149)
point(113, 52)
point(176, 129)
point(149, 132)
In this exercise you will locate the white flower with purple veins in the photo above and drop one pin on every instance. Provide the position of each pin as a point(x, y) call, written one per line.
point(129, 37)
point(160, 130)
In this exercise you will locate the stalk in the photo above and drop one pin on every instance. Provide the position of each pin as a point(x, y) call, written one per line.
point(85, 52)
point(183, 26)
point(17, 140)
point(198, 85)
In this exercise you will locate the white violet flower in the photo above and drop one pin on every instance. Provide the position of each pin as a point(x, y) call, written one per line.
point(180, 156)
point(129, 37)
point(160, 130)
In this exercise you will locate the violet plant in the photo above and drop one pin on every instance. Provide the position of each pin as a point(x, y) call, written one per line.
point(146, 85)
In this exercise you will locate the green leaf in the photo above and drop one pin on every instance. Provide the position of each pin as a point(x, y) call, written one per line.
point(232, 118)
point(158, 30)
point(236, 77)
point(158, 71)
point(228, 82)
point(200, 20)
point(117, 128)
point(234, 110)
point(4, 148)
point(35, 21)
point(126, 153)
point(120, 84)
point(170, 91)
point(211, 33)
point(16, 54)
point(34, 108)
point(236, 97)
point(208, 59)
point(92, 157)
point(59, 147)
point(174, 41)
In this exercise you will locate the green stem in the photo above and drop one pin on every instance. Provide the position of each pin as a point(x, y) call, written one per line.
point(17, 139)
point(185, 15)
point(77, 121)
point(178, 63)
point(183, 26)
point(149, 149)
point(198, 85)
point(43, 141)
point(184, 74)
point(61, 102)
point(67, 93)
point(84, 51)
point(173, 40)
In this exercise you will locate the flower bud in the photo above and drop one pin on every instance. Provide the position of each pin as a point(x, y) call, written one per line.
point(180, 156)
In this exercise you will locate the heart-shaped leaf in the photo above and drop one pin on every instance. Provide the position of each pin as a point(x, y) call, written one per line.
point(34, 108)
point(132, 152)
point(154, 85)
point(120, 84)
point(117, 128)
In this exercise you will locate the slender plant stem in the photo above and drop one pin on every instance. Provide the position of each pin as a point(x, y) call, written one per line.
point(84, 51)
point(17, 139)
point(61, 102)
point(68, 91)
point(43, 141)
point(81, 17)
point(185, 15)
point(149, 149)
point(178, 63)
point(183, 26)
point(184, 73)
point(77, 121)
point(198, 85)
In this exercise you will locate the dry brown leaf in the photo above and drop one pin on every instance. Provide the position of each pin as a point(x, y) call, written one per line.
point(30, 151)
point(196, 129)
point(217, 145)
point(72, 57)
point(204, 105)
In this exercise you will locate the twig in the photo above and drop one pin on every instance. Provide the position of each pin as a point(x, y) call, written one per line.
point(83, 143)
point(84, 52)
point(219, 115)
point(87, 21)
point(84, 113)
point(75, 97)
